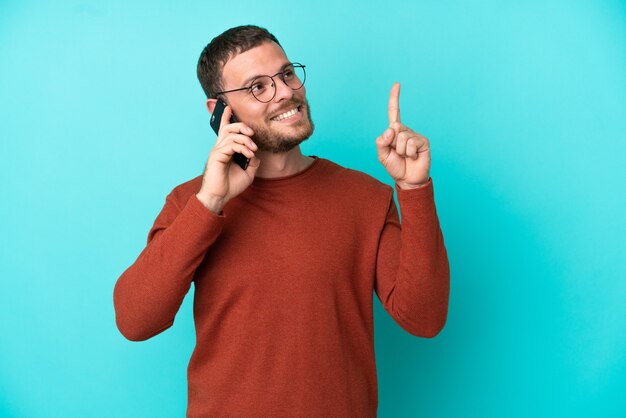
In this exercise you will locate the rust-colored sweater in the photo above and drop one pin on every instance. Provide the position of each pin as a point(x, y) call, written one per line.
point(284, 280)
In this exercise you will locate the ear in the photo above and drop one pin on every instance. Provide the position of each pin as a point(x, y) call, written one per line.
point(210, 105)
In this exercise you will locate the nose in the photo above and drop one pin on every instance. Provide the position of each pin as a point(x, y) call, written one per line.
point(283, 91)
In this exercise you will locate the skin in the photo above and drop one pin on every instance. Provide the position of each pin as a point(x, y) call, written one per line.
point(404, 153)
point(273, 146)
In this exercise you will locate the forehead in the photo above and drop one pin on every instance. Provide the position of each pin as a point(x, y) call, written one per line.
point(266, 58)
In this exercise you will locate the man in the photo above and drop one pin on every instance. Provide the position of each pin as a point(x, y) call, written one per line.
point(285, 255)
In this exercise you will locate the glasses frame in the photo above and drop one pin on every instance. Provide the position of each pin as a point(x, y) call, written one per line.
point(280, 73)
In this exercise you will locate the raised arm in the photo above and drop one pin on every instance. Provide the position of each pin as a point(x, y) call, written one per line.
point(412, 274)
point(412, 270)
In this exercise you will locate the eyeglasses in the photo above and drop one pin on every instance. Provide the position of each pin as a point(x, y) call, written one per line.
point(263, 88)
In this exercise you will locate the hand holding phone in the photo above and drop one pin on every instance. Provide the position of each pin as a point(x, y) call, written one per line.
point(216, 119)
point(221, 180)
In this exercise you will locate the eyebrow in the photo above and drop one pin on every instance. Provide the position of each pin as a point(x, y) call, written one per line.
point(249, 79)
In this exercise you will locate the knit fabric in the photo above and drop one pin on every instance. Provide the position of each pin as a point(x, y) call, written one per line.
point(284, 279)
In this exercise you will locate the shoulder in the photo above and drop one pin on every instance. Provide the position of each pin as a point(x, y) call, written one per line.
point(356, 180)
point(182, 192)
point(358, 187)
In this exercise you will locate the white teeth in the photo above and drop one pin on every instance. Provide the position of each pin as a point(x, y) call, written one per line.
point(286, 114)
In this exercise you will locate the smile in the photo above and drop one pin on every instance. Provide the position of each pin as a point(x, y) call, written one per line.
point(286, 115)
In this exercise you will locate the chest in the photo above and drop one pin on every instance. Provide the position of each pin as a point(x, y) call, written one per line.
point(288, 247)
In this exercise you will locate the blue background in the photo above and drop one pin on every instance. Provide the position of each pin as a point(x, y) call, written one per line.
point(524, 103)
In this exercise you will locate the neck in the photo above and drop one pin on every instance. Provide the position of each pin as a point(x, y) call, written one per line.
point(282, 164)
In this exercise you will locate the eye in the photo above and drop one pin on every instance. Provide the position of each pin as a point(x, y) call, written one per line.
point(257, 88)
point(288, 73)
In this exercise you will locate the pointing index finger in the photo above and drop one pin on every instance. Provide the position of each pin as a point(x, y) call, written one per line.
point(394, 103)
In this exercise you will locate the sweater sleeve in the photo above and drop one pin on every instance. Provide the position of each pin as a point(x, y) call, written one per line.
point(149, 293)
point(412, 271)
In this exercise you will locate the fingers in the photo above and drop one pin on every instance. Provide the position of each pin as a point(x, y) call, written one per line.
point(241, 149)
point(231, 143)
point(233, 137)
point(406, 144)
point(398, 127)
point(411, 149)
point(414, 144)
point(237, 143)
point(226, 124)
point(224, 153)
point(401, 141)
point(383, 144)
point(236, 136)
point(394, 104)
point(234, 128)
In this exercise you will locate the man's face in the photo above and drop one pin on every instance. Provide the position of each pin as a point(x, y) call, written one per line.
point(270, 134)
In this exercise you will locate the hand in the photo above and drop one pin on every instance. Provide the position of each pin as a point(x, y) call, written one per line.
point(223, 179)
point(405, 154)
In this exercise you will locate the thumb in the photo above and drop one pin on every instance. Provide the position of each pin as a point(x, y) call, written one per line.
point(383, 143)
point(253, 166)
point(387, 137)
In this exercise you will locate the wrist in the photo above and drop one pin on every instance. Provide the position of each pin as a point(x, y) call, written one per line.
point(212, 203)
point(406, 186)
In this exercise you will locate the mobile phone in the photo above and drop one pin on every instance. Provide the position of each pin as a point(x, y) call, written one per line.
point(216, 118)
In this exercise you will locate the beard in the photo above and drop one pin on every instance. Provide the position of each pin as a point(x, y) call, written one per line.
point(277, 141)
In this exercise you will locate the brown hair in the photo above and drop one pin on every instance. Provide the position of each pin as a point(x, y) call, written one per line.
point(222, 48)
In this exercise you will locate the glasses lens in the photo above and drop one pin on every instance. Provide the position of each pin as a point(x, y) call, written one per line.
point(263, 88)
point(294, 76)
